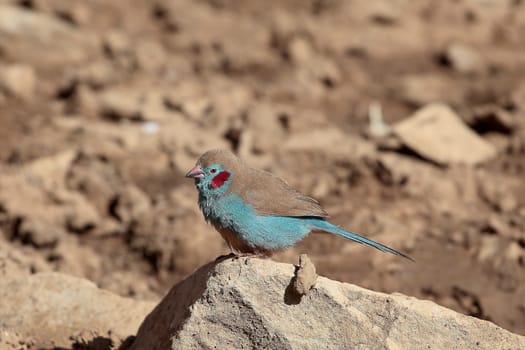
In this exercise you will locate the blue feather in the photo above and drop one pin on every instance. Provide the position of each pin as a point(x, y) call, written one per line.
point(275, 232)
point(324, 225)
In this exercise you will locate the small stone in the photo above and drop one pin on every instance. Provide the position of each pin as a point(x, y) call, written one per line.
point(75, 12)
point(376, 124)
point(130, 203)
point(37, 232)
point(508, 203)
point(300, 50)
point(463, 58)
point(305, 275)
point(121, 104)
point(489, 246)
point(514, 252)
point(496, 224)
point(83, 216)
point(18, 80)
point(97, 74)
point(499, 194)
point(116, 42)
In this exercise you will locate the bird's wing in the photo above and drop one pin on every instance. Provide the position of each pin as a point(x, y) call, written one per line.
point(270, 195)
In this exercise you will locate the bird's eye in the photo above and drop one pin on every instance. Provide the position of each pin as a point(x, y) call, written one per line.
point(213, 171)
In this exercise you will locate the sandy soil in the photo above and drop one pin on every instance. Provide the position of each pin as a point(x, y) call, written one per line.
point(105, 104)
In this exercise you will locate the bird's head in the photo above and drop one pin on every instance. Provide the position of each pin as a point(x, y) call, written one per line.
point(214, 171)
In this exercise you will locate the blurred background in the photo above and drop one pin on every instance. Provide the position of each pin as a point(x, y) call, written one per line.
point(404, 118)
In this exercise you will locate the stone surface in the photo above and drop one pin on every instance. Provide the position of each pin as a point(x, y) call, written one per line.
point(51, 309)
point(18, 80)
point(36, 197)
point(436, 133)
point(15, 262)
point(247, 303)
point(463, 58)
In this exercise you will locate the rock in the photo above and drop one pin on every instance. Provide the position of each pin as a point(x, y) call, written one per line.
point(491, 118)
point(496, 224)
point(130, 203)
point(384, 13)
point(243, 304)
point(13, 340)
point(36, 199)
point(99, 181)
point(150, 55)
point(376, 124)
point(97, 75)
point(499, 192)
point(436, 133)
point(247, 40)
point(118, 103)
point(463, 58)
point(41, 39)
point(123, 103)
point(389, 170)
point(16, 262)
point(38, 231)
point(18, 80)
point(77, 13)
point(116, 42)
point(189, 98)
point(489, 247)
point(161, 234)
point(515, 252)
point(50, 308)
point(266, 130)
point(300, 50)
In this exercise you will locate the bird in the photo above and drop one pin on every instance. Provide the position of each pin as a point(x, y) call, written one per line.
point(258, 213)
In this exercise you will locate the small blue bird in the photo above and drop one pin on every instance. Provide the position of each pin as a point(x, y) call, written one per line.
point(256, 212)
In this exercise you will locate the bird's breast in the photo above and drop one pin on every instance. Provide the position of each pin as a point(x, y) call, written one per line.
point(228, 211)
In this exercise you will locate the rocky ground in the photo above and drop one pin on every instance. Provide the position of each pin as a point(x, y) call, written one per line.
point(104, 106)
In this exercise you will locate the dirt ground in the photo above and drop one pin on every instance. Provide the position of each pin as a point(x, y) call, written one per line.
point(105, 104)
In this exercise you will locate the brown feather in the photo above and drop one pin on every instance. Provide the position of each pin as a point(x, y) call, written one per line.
point(267, 193)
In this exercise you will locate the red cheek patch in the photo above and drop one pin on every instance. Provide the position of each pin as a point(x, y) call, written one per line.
point(220, 179)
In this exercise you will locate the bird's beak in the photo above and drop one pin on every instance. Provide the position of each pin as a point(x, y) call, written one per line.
point(196, 172)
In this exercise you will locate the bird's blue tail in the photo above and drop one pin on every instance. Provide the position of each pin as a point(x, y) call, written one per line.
point(324, 225)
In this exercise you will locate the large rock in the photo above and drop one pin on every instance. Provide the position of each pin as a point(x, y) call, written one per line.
point(250, 304)
point(53, 309)
point(436, 133)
